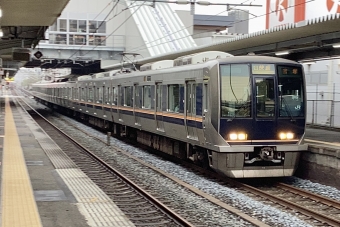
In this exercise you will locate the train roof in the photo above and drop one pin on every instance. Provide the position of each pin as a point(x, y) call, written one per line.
point(257, 59)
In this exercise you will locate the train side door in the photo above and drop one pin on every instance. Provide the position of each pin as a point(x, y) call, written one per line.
point(264, 123)
point(137, 103)
point(158, 109)
point(190, 110)
point(120, 101)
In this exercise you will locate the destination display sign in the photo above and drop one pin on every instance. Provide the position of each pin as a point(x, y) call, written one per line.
point(267, 69)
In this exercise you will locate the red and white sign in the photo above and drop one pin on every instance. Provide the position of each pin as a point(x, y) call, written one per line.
point(281, 12)
point(319, 8)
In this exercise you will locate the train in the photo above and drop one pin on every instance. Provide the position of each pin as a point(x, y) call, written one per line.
point(242, 116)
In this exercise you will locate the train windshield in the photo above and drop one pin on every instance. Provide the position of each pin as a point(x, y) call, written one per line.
point(235, 90)
point(290, 82)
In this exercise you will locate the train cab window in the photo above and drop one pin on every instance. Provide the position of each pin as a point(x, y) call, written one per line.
point(147, 97)
point(90, 94)
point(265, 98)
point(291, 91)
point(173, 98)
point(235, 90)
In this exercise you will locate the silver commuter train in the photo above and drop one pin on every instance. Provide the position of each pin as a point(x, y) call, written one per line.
point(243, 116)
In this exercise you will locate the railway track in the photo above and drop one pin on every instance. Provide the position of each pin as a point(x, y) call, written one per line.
point(314, 209)
point(140, 206)
point(240, 214)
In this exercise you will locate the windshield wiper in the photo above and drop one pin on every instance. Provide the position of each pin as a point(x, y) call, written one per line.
point(287, 109)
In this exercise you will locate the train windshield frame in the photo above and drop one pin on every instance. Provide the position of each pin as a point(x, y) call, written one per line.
point(280, 85)
point(235, 91)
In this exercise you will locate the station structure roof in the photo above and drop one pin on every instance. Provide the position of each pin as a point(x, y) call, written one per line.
point(24, 23)
point(309, 40)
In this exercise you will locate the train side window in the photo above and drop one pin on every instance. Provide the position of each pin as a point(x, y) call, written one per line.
point(147, 97)
point(173, 98)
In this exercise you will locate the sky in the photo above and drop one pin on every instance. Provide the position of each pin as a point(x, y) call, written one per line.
point(255, 23)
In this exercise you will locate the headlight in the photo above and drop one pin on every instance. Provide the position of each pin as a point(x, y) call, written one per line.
point(286, 135)
point(290, 135)
point(238, 136)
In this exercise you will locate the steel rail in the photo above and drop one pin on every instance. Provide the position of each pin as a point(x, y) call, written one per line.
point(177, 218)
point(320, 217)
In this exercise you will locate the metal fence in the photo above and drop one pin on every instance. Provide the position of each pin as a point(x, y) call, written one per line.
point(323, 112)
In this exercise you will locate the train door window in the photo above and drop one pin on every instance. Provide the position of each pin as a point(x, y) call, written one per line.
point(265, 99)
point(191, 98)
point(70, 90)
point(128, 96)
point(90, 94)
point(115, 96)
point(99, 95)
point(235, 90)
point(82, 95)
point(147, 97)
point(173, 98)
point(205, 98)
point(159, 88)
point(121, 95)
point(136, 96)
point(107, 96)
point(199, 99)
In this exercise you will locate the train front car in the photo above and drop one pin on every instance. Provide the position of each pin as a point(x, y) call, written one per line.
point(262, 115)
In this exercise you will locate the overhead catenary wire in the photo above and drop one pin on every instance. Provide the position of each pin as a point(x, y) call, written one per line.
point(211, 30)
point(159, 38)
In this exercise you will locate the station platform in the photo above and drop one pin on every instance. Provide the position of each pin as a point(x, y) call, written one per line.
point(40, 186)
point(322, 135)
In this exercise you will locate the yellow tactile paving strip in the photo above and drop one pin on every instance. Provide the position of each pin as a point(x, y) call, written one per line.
point(19, 208)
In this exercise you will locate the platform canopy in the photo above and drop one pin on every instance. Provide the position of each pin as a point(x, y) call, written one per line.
point(23, 24)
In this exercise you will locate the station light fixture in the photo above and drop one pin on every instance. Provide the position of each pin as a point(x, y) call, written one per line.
point(285, 52)
point(0, 12)
point(1, 33)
